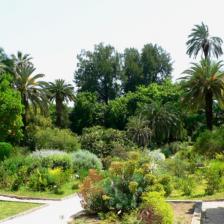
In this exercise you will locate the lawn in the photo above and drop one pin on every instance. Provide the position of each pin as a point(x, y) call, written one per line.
point(197, 194)
point(66, 190)
point(12, 208)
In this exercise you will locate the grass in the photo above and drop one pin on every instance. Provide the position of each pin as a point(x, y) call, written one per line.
point(12, 208)
point(66, 190)
point(197, 194)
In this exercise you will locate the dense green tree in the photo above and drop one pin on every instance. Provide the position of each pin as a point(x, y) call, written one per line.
point(87, 112)
point(10, 112)
point(203, 83)
point(164, 121)
point(30, 88)
point(200, 40)
point(132, 70)
point(99, 72)
point(157, 64)
point(60, 92)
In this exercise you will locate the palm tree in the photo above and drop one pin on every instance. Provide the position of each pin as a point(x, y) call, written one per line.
point(30, 88)
point(203, 83)
point(138, 130)
point(200, 40)
point(20, 59)
point(164, 122)
point(59, 91)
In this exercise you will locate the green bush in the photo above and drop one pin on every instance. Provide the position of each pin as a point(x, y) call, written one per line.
point(120, 188)
point(155, 210)
point(215, 176)
point(5, 150)
point(85, 160)
point(103, 142)
point(210, 142)
point(187, 185)
point(62, 139)
point(53, 159)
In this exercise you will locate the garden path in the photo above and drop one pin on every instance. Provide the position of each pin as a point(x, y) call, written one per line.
point(213, 212)
point(56, 212)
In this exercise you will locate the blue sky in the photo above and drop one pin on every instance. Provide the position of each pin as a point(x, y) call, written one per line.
point(55, 31)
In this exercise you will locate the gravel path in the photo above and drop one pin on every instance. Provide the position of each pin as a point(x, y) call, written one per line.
point(56, 212)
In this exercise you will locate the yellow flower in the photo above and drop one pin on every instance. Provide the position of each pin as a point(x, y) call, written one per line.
point(105, 197)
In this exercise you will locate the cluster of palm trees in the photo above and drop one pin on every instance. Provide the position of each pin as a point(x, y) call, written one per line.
point(204, 81)
point(36, 93)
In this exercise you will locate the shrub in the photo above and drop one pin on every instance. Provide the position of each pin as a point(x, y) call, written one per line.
point(157, 155)
point(120, 188)
point(102, 142)
point(155, 210)
point(187, 185)
point(61, 139)
point(210, 142)
point(85, 160)
point(5, 150)
point(53, 159)
point(215, 176)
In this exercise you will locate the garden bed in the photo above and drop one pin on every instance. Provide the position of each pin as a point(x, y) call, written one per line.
point(9, 209)
point(183, 213)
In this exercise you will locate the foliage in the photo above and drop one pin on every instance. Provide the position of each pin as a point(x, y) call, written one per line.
point(215, 176)
point(200, 40)
point(85, 160)
point(87, 112)
point(155, 210)
point(5, 150)
point(157, 65)
point(56, 138)
point(10, 112)
point(202, 84)
point(210, 142)
point(138, 130)
point(59, 91)
point(164, 121)
point(30, 87)
point(132, 70)
point(121, 188)
point(99, 72)
point(101, 141)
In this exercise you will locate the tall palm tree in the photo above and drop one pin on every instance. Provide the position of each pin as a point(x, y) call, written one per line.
point(30, 88)
point(203, 83)
point(59, 91)
point(200, 40)
point(20, 59)
point(138, 130)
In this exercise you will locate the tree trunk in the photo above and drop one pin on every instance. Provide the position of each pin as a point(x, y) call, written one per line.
point(58, 112)
point(26, 108)
point(208, 109)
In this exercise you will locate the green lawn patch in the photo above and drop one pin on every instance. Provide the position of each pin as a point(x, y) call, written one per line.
point(12, 208)
point(66, 190)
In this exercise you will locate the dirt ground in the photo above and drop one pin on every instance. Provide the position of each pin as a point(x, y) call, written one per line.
point(183, 212)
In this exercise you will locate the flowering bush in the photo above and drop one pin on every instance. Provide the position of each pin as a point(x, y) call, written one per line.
point(120, 188)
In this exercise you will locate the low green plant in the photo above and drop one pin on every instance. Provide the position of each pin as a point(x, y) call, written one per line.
point(214, 175)
point(5, 150)
point(187, 185)
point(84, 160)
point(155, 210)
point(54, 138)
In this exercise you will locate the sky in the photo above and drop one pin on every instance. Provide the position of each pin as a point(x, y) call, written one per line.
point(53, 32)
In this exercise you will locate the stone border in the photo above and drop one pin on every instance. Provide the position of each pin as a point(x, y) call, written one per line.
point(197, 213)
point(25, 212)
